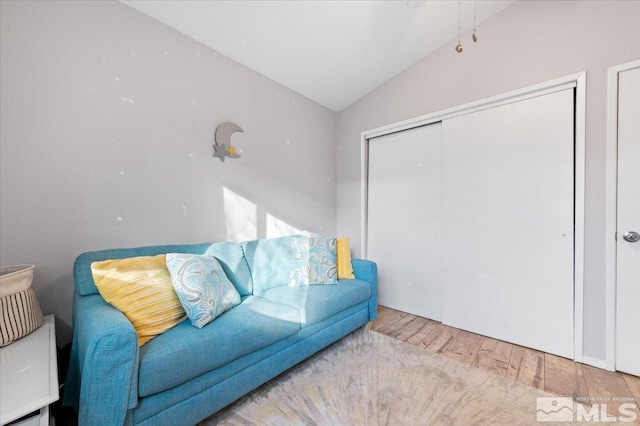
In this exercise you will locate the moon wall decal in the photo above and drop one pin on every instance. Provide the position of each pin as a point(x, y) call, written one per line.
point(223, 147)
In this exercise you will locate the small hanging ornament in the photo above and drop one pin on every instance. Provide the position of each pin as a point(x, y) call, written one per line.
point(459, 48)
point(474, 37)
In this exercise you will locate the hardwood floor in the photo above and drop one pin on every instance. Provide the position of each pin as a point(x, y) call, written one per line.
point(540, 370)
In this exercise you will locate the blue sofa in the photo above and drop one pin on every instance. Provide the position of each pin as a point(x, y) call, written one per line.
point(186, 374)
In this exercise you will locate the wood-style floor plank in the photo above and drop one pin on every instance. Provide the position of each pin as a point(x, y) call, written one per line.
point(633, 382)
point(526, 366)
point(465, 347)
point(392, 320)
point(385, 315)
point(494, 356)
point(606, 384)
point(439, 339)
point(413, 328)
point(388, 319)
point(397, 328)
point(544, 371)
point(564, 377)
point(421, 335)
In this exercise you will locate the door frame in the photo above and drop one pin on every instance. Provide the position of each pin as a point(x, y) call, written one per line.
point(611, 258)
point(577, 81)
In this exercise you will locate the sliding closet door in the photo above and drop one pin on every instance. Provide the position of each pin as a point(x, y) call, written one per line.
point(508, 222)
point(404, 219)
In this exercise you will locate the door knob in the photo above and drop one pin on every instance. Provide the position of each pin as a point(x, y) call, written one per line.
point(631, 236)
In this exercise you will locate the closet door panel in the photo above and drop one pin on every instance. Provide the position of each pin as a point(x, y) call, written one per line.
point(628, 261)
point(404, 222)
point(508, 222)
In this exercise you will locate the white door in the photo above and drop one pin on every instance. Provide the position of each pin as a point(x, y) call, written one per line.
point(628, 248)
point(403, 235)
point(508, 222)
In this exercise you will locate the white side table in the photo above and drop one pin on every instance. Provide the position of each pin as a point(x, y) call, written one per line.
point(29, 376)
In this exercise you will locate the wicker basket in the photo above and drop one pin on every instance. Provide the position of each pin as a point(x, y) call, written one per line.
point(20, 312)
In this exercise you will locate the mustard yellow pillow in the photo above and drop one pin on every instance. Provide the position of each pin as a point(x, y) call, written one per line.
point(343, 259)
point(141, 288)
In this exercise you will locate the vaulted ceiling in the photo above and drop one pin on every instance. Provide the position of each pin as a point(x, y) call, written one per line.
point(331, 51)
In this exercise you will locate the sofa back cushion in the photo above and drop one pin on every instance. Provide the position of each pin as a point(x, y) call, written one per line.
point(294, 260)
point(230, 256)
point(270, 261)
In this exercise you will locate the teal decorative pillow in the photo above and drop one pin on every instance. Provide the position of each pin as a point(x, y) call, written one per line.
point(202, 287)
point(314, 260)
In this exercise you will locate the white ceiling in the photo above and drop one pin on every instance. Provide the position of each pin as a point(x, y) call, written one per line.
point(331, 51)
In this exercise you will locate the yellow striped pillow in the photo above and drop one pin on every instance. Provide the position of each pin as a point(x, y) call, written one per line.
point(343, 259)
point(141, 288)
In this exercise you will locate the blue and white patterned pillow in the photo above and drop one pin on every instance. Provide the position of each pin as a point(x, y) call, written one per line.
point(314, 260)
point(202, 287)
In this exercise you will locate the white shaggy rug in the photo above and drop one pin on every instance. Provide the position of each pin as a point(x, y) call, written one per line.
point(367, 378)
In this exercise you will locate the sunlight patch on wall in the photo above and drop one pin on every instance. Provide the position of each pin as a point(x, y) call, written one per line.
point(279, 228)
point(241, 217)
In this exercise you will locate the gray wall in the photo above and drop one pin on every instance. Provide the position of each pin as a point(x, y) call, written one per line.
point(528, 43)
point(107, 121)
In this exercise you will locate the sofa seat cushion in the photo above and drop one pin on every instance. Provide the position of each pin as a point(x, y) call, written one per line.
point(185, 352)
point(319, 302)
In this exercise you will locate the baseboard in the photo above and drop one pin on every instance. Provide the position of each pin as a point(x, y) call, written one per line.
point(595, 362)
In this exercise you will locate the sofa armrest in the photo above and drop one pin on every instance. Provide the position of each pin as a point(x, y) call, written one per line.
point(367, 270)
point(102, 382)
